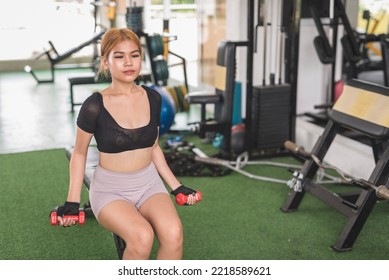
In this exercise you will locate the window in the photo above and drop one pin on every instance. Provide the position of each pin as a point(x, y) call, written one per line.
point(26, 26)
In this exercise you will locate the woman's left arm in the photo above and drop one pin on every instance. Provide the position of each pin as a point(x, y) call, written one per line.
point(165, 172)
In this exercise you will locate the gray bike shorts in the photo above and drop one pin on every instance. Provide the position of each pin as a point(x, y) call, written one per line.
point(134, 187)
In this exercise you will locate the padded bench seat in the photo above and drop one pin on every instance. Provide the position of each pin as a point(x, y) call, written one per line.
point(363, 107)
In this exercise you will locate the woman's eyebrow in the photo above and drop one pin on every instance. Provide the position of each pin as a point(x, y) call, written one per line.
point(122, 52)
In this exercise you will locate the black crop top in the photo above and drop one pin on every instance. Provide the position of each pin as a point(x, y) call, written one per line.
point(110, 136)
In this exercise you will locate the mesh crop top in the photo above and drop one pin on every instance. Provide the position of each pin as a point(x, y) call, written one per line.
point(111, 137)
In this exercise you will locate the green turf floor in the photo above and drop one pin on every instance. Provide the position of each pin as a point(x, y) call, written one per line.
point(239, 218)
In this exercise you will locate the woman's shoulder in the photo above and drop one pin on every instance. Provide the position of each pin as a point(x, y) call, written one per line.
point(93, 102)
point(152, 92)
point(94, 96)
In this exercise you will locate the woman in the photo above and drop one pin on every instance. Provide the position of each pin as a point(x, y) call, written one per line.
point(127, 194)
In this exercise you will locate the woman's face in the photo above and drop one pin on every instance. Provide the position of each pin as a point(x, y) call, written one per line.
point(124, 61)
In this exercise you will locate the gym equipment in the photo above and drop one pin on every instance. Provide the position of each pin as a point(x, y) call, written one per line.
point(260, 113)
point(271, 117)
point(55, 58)
point(238, 132)
point(134, 18)
point(381, 191)
point(271, 102)
point(179, 94)
point(338, 90)
point(175, 142)
point(180, 156)
point(355, 61)
point(80, 218)
point(384, 42)
point(370, 32)
point(240, 162)
point(168, 109)
point(222, 99)
point(324, 48)
point(325, 44)
point(159, 66)
point(354, 50)
point(182, 199)
point(111, 15)
point(359, 108)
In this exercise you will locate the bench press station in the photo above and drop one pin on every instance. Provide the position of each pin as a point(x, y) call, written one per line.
point(362, 107)
point(55, 58)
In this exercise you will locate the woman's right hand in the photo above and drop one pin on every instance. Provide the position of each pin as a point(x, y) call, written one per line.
point(68, 209)
point(186, 196)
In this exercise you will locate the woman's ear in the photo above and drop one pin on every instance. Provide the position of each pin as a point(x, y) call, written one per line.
point(104, 63)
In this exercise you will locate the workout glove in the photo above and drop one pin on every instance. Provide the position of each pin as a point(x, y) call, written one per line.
point(69, 208)
point(184, 190)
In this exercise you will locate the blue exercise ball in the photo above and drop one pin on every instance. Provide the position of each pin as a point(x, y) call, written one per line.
point(168, 109)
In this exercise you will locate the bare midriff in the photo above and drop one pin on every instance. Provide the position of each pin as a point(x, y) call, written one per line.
point(128, 161)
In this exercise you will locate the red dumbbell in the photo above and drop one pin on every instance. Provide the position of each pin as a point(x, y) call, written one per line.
point(181, 199)
point(80, 218)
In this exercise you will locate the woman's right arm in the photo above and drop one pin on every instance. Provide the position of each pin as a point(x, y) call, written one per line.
point(76, 174)
point(77, 165)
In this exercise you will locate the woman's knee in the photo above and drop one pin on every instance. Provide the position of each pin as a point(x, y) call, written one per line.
point(139, 240)
point(173, 235)
point(124, 220)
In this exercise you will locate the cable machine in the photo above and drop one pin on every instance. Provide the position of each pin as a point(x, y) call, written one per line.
point(271, 95)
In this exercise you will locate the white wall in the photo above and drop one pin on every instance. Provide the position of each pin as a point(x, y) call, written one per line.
point(313, 76)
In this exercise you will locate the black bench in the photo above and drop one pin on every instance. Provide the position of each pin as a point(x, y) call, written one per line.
point(90, 166)
point(361, 108)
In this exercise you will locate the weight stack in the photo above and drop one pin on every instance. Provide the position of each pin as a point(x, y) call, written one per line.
point(134, 18)
point(271, 116)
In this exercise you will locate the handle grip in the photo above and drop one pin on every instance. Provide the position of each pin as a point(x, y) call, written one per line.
point(382, 192)
point(299, 150)
point(182, 199)
point(79, 219)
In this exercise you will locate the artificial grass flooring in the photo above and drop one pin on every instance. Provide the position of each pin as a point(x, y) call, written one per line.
point(238, 219)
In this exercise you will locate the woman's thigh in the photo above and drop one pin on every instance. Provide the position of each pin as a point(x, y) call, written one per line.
point(160, 211)
point(124, 219)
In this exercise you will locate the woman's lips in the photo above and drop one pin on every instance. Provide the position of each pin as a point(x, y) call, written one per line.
point(129, 72)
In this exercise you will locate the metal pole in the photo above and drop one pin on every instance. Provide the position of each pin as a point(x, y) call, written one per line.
point(249, 73)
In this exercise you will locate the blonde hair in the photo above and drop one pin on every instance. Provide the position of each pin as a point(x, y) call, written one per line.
point(110, 39)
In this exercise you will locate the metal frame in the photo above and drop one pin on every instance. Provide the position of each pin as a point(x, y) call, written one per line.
point(356, 206)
